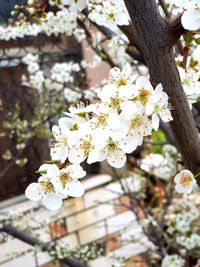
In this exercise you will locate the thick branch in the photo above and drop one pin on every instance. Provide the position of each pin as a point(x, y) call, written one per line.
point(152, 33)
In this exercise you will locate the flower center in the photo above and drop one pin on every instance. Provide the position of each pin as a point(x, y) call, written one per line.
point(157, 108)
point(87, 147)
point(47, 186)
point(101, 119)
point(74, 127)
point(137, 121)
point(82, 115)
point(65, 178)
point(143, 96)
point(122, 81)
point(111, 16)
point(185, 180)
point(111, 146)
point(115, 102)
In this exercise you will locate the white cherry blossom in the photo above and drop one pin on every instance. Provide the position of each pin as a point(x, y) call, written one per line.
point(191, 84)
point(62, 133)
point(54, 185)
point(45, 189)
point(158, 105)
point(185, 182)
point(113, 153)
point(110, 13)
point(144, 90)
point(86, 145)
point(67, 181)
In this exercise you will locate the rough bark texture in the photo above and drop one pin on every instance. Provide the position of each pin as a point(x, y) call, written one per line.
point(153, 33)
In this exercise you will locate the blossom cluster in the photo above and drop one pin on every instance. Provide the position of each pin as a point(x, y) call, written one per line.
point(60, 79)
point(128, 111)
point(111, 13)
point(173, 261)
point(190, 79)
point(183, 224)
point(55, 184)
point(162, 165)
point(63, 21)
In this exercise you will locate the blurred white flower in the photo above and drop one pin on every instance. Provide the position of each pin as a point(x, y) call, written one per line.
point(173, 261)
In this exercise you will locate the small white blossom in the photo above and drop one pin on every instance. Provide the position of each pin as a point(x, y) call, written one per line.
point(185, 182)
point(173, 261)
point(157, 105)
point(45, 189)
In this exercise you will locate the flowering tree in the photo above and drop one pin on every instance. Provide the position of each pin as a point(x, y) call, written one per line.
point(151, 47)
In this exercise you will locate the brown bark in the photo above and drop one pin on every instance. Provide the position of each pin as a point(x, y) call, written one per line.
point(153, 36)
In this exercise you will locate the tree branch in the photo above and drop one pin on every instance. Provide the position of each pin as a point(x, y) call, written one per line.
point(23, 236)
point(152, 31)
point(174, 31)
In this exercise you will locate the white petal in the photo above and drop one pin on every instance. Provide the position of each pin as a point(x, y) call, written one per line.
point(128, 109)
point(182, 189)
point(100, 137)
point(76, 189)
point(143, 82)
point(127, 92)
point(150, 108)
point(59, 153)
point(65, 124)
point(155, 121)
point(106, 92)
point(52, 170)
point(33, 192)
point(191, 20)
point(56, 132)
point(52, 202)
point(76, 171)
point(76, 155)
point(177, 178)
point(117, 159)
point(165, 115)
point(159, 89)
point(81, 4)
point(130, 143)
point(113, 121)
point(119, 134)
point(93, 157)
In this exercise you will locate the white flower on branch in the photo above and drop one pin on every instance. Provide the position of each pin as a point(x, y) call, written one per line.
point(185, 182)
point(54, 185)
point(103, 131)
point(45, 189)
point(110, 14)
